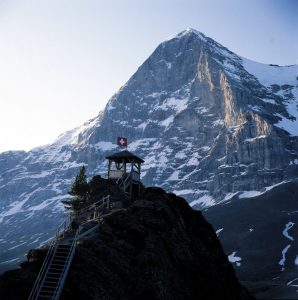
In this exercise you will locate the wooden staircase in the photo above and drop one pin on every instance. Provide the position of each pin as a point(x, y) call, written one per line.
point(56, 273)
point(51, 278)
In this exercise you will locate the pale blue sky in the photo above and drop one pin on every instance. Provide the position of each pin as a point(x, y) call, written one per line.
point(61, 60)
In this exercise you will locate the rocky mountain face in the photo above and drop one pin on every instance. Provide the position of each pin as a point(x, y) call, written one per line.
point(209, 124)
point(258, 234)
point(158, 248)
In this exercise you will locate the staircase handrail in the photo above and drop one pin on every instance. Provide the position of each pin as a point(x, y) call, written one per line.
point(99, 209)
point(42, 271)
point(126, 179)
point(82, 234)
point(118, 181)
point(62, 227)
point(122, 181)
point(93, 204)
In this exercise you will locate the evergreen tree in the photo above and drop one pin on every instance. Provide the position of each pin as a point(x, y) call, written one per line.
point(78, 191)
point(80, 185)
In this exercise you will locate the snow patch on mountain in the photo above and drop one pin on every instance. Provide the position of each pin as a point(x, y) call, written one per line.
point(174, 176)
point(269, 75)
point(13, 208)
point(251, 194)
point(204, 201)
point(255, 138)
point(167, 122)
point(105, 146)
point(218, 231)
point(183, 192)
point(54, 200)
point(290, 125)
point(283, 258)
point(235, 259)
point(282, 81)
point(175, 104)
point(293, 282)
point(296, 260)
point(287, 228)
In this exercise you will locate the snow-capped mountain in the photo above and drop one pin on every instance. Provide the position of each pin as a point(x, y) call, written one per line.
point(208, 123)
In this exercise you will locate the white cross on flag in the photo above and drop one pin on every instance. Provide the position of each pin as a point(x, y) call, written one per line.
point(122, 141)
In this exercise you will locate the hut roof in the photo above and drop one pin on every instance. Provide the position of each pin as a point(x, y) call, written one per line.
point(126, 156)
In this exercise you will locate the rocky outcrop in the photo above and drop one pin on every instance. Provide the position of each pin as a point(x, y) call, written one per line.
point(158, 248)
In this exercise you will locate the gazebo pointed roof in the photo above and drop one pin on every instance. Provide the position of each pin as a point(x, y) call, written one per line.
point(125, 156)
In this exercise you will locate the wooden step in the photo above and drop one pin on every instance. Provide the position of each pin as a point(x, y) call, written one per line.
point(56, 259)
point(58, 266)
point(45, 296)
point(51, 278)
point(48, 288)
point(55, 268)
point(50, 283)
point(63, 252)
point(48, 291)
point(61, 256)
point(64, 248)
point(53, 273)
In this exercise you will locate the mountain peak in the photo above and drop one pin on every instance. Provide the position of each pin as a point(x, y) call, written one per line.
point(188, 31)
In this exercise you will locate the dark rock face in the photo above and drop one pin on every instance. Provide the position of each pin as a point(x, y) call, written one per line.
point(261, 232)
point(158, 248)
point(17, 284)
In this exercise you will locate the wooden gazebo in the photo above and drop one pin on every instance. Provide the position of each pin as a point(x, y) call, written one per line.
point(125, 168)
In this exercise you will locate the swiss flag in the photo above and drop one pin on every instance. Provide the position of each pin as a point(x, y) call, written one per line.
point(122, 141)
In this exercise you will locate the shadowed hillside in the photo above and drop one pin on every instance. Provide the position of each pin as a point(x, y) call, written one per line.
point(157, 248)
